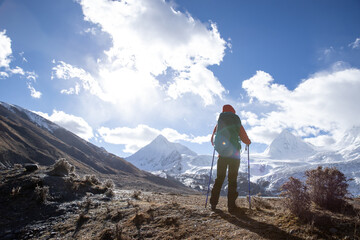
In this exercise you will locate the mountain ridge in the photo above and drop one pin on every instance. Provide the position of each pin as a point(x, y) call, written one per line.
point(26, 138)
point(286, 156)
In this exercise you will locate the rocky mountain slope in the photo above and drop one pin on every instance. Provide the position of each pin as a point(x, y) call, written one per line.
point(28, 138)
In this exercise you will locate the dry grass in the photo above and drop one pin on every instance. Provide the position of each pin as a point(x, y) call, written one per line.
point(146, 215)
point(166, 216)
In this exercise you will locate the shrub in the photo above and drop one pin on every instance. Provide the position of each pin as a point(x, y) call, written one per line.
point(41, 193)
point(327, 187)
point(109, 184)
point(91, 180)
point(18, 166)
point(110, 193)
point(62, 168)
point(136, 195)
point(15, 191)
point(297, 200)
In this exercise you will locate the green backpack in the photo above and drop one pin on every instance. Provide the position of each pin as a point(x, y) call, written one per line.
point(227, 134)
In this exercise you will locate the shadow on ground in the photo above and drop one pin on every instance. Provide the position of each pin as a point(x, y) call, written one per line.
point(265, 230)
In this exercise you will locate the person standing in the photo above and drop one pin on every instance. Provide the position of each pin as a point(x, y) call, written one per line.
point(228, 132)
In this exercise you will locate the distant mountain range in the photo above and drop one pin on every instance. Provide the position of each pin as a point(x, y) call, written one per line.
point(26, 137)
point(345, 156)
point(167, 159)
point(286, 156)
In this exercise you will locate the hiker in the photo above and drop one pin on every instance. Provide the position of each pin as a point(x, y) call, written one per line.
point(227, 133)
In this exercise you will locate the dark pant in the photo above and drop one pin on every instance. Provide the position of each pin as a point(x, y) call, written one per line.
point(223, 163)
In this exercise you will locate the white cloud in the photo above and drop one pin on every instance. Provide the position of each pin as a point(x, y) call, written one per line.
point(74, 124)
point(31, 76)
point(90, 30)
point(4, 75)
point(33, 92)
point(355, 44)
point(23, 58)
point(327, 101)
point(138, 137)
point(157, 54)
point(322, 140)
point(326, 54)
point(73, 90)
point(6, 56)
point(328, 51)
point(5, 49)
point(67, 71)
point(17, 70)
point(249, 118)
point(201, 139)
point(5, 60)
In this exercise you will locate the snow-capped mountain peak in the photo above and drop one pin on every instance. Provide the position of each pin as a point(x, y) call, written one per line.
point(160, 154)
point(160, 140)
point(288, 146)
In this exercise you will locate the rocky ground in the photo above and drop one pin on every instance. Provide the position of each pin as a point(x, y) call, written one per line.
point(165, 216)
point(91, 211)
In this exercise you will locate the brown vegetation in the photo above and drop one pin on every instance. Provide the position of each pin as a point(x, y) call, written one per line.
point(327, 187)
point(62, 168)
point(168, 216)
point(296, 197)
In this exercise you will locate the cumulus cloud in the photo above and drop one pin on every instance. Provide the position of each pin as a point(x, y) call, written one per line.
point(157, 54)
point(249, 118)
point(74, 124)
point(327, 102)
point(5, 49)
point(355, 44)
point(6, 56)
point(138, 137)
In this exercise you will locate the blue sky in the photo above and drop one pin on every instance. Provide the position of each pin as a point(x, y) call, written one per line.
point(119, 73)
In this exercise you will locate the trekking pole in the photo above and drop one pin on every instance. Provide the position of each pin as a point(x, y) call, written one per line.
point(207, 195)
point(248, 150)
